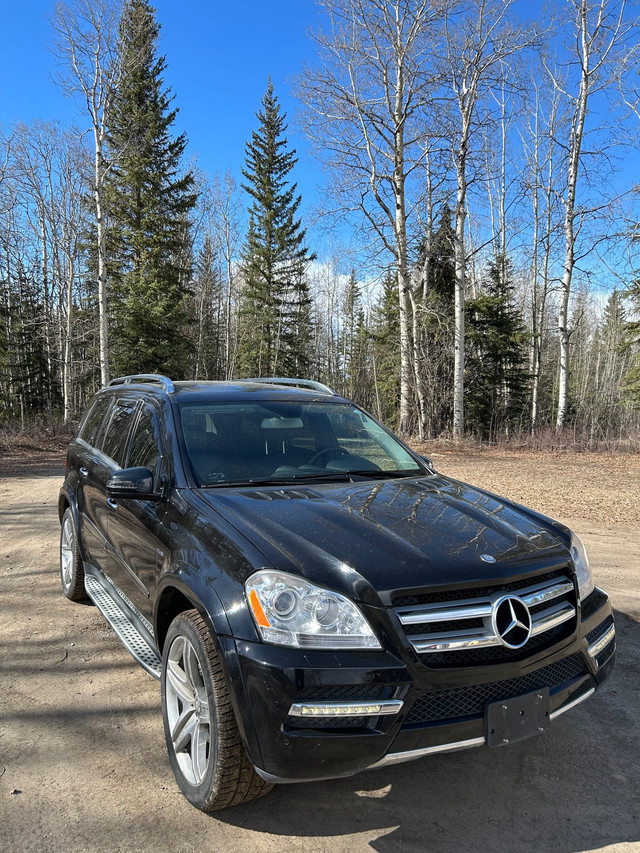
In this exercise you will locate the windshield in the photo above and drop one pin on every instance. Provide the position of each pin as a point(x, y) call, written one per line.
point(280, 442)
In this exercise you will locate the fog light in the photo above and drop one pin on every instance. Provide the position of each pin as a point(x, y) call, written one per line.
point(345, 709)
point(602, 642)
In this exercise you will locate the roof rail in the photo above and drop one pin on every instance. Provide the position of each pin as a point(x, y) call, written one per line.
point(302, 383)
point(142, 378)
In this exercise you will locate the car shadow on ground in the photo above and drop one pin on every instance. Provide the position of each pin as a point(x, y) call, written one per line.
point(572, 789)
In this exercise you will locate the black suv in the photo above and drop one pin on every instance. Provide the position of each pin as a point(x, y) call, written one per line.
point(313, 596)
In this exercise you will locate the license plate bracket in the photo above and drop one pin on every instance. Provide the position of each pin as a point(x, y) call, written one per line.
point(512, 720)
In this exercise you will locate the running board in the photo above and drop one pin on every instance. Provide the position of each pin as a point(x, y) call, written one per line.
point(135, 632)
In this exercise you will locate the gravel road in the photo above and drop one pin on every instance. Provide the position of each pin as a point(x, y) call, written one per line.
point(82, 760)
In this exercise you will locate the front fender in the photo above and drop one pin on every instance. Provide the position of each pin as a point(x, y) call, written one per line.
point(173, 586)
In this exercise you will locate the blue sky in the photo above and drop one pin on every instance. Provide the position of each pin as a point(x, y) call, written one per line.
point(219, 56)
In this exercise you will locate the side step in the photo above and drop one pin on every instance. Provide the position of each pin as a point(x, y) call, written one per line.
point(134, 631)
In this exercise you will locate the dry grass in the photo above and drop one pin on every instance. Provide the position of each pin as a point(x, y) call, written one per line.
point(602, 487)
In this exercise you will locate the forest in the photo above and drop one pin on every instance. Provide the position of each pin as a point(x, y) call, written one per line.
point(480, 171)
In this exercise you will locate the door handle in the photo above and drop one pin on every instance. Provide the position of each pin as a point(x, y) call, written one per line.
point(84, 472)
point(113, 504)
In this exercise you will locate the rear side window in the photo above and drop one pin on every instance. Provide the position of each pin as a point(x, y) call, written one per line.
point(114, 444)
point(89, 429)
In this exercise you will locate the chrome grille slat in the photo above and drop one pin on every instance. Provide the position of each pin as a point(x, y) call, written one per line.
point(533, 597)
point(416, 617)
point(444, 643)
point(548, 613)
point(552, 617)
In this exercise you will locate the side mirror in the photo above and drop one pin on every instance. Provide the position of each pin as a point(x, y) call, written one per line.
point(428, 462)
point(132, 483)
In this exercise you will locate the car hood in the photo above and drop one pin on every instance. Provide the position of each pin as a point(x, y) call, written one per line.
point(392, 535)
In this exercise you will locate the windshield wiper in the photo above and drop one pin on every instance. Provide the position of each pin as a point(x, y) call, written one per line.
point(292, 479)
point(381, 475)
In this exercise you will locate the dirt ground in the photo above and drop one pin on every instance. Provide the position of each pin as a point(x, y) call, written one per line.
point(82, 760)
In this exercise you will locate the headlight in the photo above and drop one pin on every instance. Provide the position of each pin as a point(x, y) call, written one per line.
point(290, 611)
point(581, 563)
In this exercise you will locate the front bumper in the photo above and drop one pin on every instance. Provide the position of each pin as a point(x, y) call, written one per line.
point(296, 709)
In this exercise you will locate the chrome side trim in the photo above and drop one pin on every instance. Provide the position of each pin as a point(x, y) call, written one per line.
point(571, 705)
point(382, 706)
point(602, 641)
point(412, 754)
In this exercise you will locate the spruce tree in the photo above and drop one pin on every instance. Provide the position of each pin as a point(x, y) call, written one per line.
point(436, 332)
point(354, 346)
point(149, 200)
point(497, 376)
point(631, 381)
point(385, 352)
point(275, 310)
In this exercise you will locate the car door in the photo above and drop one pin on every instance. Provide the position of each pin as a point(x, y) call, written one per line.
point(92, 471)
point(134, 524)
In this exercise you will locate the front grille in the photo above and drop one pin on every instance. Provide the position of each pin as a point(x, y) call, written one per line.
point(462, 627)
point(470, 701)
point(344, 693)
point(439, 596)
point(599, 630)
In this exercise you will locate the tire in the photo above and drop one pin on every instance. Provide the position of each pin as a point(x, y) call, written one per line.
point(71, 566)
point(208, 760)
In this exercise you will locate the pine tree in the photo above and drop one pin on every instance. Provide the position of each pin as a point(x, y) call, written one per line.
point(385, 352)
point(149, 200)
point(631, 384)
point(275, 311)
point(209, 314)
point(436, 333)
point(354, 346)
point(497, 378)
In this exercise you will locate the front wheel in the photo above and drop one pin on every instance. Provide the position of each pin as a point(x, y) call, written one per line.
point(71, 568)
point(203, 741)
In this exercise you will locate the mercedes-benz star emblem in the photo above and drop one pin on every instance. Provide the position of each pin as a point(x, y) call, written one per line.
point(511, 621)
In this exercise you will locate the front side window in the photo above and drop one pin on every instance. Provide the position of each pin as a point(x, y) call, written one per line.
point(236, 442)
point(145, 444)
point(114, 443)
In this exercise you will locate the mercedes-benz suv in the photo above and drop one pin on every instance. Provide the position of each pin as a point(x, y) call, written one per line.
point(313, 596)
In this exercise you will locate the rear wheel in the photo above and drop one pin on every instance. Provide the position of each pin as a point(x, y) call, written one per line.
point(71, 568)
point(203, 741)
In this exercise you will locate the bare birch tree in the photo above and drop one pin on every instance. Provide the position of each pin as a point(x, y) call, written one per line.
point(600, 34)
point(49, 166)
point(479, 40)
point(365, 107)
point(541, 186)
point(87, 45)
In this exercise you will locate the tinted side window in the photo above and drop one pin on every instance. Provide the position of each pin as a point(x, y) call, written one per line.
point(145, 446)
point(115, 439)
point(91, 424)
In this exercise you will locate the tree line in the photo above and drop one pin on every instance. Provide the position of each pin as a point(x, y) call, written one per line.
point(467, 154)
